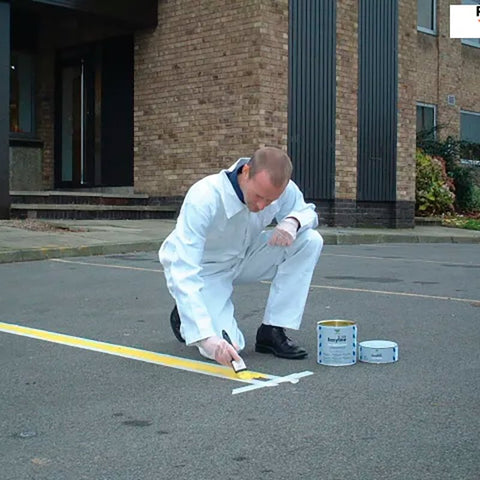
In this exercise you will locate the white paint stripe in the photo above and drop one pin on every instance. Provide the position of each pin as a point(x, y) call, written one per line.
point(401, 294)
point(106, 265)
point(414, 260)
point(386, 292)
point(293, 378)
point(327, 287)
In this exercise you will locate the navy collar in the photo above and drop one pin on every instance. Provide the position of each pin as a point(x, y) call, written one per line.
point(233, 177)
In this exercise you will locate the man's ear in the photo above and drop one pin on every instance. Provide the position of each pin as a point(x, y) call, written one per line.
point(246, 170)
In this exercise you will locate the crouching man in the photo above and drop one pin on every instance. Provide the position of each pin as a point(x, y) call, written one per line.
point(220, 241)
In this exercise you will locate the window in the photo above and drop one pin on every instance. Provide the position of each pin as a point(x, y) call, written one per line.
point(470, 132)
point(426, 120)
point(470, 126)
point(426, 16)
point(473, 42)
point(21, 93)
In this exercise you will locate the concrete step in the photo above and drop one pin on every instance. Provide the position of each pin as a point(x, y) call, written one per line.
point(115, 190)
point(91, 198)
point(86, 211)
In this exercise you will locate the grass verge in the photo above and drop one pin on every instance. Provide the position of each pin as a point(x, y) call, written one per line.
point(469, 222)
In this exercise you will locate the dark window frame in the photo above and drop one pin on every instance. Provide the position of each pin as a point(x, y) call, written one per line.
point(433, 16)
point(433, 128)
point(18, 128)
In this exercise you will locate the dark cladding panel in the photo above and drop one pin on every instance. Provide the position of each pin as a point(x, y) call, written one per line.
point(117, 112)
point(377, 100)
point(4, 109)
point(311, 116)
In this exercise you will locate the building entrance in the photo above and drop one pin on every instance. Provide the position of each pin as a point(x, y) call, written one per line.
point(94, 115)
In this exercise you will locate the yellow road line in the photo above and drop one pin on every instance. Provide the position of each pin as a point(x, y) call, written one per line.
point(136, 354)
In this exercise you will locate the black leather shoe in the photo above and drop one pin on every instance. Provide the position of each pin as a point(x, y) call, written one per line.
point(274, 340)
point(175, 324)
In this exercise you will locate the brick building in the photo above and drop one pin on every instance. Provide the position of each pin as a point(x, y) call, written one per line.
point(149, 96)
point(447, 75)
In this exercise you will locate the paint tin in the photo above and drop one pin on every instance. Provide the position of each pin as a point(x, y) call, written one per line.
point(378, 351)
point(337, 343)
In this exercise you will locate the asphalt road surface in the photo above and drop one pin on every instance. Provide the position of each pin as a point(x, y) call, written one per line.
point(73, 413)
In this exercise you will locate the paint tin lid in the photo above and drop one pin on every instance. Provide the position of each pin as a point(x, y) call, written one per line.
point(378, 351)
point(378, 344)
point(336, 323)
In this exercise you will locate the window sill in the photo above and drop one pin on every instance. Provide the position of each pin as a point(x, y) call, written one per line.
point(474, 44)
point(24, 141)
point(427, 31)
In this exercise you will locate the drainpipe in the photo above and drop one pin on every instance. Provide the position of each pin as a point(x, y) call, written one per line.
point(4, 109)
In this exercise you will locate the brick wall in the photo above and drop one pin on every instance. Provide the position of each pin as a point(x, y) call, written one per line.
point(426, 81)
point(210, 86)
point(449, 72)
point(273, 71)
point(406, 118)
point(345, 210)
point(45, 106)
point(469, 93)
point(347, 100)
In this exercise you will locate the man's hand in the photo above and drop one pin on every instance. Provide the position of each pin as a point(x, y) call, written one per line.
point(220, 350)
point(285, 233)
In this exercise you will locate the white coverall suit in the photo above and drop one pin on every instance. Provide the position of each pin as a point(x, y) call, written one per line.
point(218, 242)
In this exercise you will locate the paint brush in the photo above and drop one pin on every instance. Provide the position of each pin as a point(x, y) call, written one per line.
point(238, 366)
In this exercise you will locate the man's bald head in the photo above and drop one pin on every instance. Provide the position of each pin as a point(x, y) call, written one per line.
point(275, 162)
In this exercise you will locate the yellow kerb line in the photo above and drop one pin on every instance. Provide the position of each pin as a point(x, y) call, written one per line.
point(138, 354)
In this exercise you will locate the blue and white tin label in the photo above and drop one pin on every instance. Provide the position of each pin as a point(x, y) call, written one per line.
point(336, 343)
point(378, 351)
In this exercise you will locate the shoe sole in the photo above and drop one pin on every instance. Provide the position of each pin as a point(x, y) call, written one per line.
point(175, 324)
point(267, 349)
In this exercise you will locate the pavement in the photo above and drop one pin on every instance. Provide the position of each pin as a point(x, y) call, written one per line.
point(29, 240)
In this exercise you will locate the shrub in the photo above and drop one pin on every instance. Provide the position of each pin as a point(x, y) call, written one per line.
point(476, 199)
point(465, 187)
point(463, 176)
point(434, 188)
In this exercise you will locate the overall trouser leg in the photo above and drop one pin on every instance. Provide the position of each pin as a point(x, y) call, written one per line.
point(289, 268)
point(217, 294)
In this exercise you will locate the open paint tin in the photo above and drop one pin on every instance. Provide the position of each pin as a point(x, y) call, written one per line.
point(337, 343)
point(378, 351)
